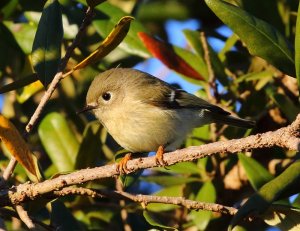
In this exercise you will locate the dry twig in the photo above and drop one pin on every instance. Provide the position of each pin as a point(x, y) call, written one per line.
point(147, 199)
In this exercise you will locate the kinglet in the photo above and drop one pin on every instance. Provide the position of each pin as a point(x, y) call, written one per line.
point(143, 113)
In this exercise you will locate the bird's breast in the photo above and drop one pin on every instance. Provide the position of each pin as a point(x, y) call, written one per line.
point(143, 128)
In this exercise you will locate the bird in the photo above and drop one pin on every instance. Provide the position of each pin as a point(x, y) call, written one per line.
point(144, 114)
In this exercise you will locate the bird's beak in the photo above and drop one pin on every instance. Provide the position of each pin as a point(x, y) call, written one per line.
point(87, 108)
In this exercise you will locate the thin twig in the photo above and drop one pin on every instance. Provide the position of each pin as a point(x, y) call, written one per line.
point(211, 73)
point(124, 214)
point(59, 75)
point(147, 199)
point(8, 170)
point(24, 216)
point(287, 137)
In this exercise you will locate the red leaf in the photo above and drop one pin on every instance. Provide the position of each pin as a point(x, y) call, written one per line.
point(165, 53)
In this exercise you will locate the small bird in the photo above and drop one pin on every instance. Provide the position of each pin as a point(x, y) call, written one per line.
point(143, 113)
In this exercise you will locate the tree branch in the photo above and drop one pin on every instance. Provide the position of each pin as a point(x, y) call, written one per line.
point(147, 199)
point(287, 137)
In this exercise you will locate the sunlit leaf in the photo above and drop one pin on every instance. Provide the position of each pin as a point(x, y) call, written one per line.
point(17, 146)
point(255, 172)
point(255, 76)
point(23, 33)
point(261, 38)
point(229, 44)
point(29, 90)
point(59, 141)
point(166, 54)
point(114, 38)
point(46, 49)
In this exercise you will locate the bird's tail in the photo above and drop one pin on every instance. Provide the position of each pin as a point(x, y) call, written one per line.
point(230, 120)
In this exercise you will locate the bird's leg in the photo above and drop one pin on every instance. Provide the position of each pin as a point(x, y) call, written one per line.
point(159, 156)
point(122, 165)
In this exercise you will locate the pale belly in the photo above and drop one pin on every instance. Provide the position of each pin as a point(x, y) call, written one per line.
point(145, 132)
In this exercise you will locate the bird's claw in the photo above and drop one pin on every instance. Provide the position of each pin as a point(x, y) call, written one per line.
point(159, 156)
point(122, 165)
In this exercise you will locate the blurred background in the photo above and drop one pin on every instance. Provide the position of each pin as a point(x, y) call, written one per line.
point(225, 73)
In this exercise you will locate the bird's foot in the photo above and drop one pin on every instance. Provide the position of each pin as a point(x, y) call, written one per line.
point(159, 156)
point(122, 165)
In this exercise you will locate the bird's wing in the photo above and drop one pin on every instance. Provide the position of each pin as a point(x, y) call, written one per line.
point(165, 96)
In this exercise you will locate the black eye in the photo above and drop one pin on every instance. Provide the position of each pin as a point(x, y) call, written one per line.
point(106, 96)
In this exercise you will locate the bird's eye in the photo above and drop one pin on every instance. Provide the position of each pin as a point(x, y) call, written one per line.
point(106, 96)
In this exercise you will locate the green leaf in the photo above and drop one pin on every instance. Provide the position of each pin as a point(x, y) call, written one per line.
point(193, 38)
point(168, 181)
point(59, 141)
point(267, 10)
point(23, 33)
point(207, 193)
point(230, 42)
point(113, 39)
point(154, 221)
point(255, 172)
point(297, 47)
point(90, 150)
point(173, 191)
point(261, 38)
point(197, 136)
point(19, 83)
point(28, 91)
point(262, 78)
point(107, 16)
point(286, 105)
point(129, 179)
point(46, 49)
point(8, 9)
point(284, 217)
point(255, 76)
point(62, 218)
point(8, 45)
point(192, 59)
point(284, 185)
point(182, 168)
